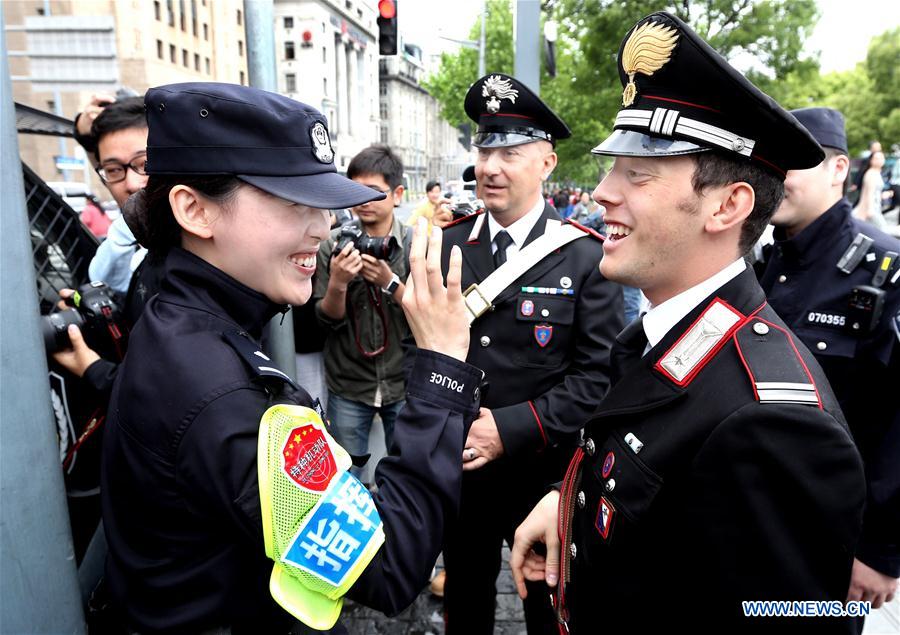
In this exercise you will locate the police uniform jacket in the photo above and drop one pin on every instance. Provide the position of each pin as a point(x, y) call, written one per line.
point(180, 494)
point(717, 469)
point(540, 396)
point(806, 288)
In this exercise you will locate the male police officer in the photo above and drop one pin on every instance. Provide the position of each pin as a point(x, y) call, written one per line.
point(834, 280)
point(718, 468)
point(543, 321)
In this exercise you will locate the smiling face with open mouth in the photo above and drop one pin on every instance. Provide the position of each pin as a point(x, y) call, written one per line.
point(653, 223)
point(269, 244)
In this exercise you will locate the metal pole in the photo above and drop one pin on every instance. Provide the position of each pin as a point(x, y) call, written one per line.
point(38, 578)
point(527, 36)
point(481, 70)
point(259, 18)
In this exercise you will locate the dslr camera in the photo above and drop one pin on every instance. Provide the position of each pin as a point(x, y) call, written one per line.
point(98, 315)
point(465, 204)
point(381, 247)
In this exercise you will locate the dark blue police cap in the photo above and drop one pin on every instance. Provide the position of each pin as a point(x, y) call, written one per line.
point(826, 125)
point(270, 141)
point(508, 113)
point(682, 97)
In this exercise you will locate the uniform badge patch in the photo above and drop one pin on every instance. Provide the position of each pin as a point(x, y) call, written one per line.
point(308, 460)
point(321, 143)
point(608, 463)
point(496, 88)
point(543, 333)
point(527, 308)
point(605, 515)
point(648, 49)
point(565, 282)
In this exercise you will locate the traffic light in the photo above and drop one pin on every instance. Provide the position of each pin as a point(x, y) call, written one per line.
point(387, 27)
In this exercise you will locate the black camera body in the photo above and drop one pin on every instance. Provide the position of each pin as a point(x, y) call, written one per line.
point(380, 247)
point(98, 315)
point(462, 206)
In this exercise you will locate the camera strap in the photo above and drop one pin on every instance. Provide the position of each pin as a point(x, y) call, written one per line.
point(374, 298)
point(479, 297)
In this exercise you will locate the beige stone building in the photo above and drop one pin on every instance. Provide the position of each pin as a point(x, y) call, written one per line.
point(61, 52)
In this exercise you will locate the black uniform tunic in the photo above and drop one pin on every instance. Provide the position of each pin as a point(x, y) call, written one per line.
point(734, 480)
point(180, 493)
point(805, 287)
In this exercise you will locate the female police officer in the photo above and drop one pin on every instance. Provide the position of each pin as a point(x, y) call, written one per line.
point(239, 179)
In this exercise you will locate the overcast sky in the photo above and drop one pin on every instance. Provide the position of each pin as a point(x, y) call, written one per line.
point(842, 34)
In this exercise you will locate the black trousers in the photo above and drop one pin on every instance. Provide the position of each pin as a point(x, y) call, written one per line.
point(495, 500)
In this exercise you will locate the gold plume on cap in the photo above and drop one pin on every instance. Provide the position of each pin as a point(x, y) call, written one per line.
point(647, 50)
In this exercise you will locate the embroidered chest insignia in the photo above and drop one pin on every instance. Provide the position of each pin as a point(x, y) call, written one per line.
point(699, 343)
point(496, 88)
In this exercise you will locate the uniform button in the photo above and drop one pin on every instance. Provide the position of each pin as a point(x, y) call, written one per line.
point(485, 341)
point(573, 550)
point(610, 485)
point(760, 328)
point(476, 394)
point(821, 346)
point(589, 447)
point(782, 278)
point(580, 500)
point(545, 312)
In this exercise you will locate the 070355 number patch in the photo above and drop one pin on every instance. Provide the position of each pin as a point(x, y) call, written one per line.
point(832, 319)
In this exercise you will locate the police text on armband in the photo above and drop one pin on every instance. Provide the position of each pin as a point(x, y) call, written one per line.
point(446, 382)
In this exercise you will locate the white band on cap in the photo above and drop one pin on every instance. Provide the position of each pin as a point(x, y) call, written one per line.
point(668, 122)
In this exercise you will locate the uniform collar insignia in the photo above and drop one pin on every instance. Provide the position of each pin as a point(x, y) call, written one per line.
point(497, 88)
point(648, 49)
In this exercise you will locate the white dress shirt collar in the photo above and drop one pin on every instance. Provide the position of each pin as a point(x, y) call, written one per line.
point(519, 230)
point(659, 320)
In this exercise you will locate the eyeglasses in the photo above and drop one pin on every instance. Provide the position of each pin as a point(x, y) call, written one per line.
point(115, 172)
point(378, 189)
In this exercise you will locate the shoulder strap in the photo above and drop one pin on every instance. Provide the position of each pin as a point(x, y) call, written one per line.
point(480, 296)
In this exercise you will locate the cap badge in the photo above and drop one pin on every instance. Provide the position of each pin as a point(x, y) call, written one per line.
point(647, 50)
point(497, 88)
point(321, 143)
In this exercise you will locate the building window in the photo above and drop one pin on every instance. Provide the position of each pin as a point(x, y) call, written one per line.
point(172, 53)
point(185, 58)
point(51, 106)
point(288, 50)
point(289, 23)
point(182, 17)
point(157, 10)
point(170, 12)
point(240, 17)
point(324, 55)
point(194, 17)
point(290, 83)
point(382, 88)
point(383, 110)
point(159, 49)
point(384, 134)
point(196, 62)
point(243, 78)
point(206, 32)
point(241, 48)
point(324, 85)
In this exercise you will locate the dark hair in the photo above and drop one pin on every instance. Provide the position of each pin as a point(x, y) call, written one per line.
point(150, 217)
point(431, 185)
point(377, 159)
point(712, 169)
point(119, 115)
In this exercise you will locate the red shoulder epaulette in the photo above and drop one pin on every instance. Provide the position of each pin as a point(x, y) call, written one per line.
point(463, 219)
point(587, 230)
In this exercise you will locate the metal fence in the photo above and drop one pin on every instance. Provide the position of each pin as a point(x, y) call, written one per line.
point(61, 246)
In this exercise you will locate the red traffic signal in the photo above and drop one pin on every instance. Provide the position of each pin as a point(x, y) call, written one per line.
point(387, 9)
point(387, 27)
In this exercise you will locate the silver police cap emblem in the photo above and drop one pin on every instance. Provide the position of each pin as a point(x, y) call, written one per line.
point(497, 88)
point(321, 143)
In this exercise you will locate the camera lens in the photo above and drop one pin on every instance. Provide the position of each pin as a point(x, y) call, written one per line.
point(53, 328)
point(381, 247)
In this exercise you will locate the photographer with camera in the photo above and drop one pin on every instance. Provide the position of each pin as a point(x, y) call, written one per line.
point(359, 285)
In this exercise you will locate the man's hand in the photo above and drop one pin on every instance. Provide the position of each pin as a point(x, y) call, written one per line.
point(442, 215)
point(376, 271)
point(345, 265)
point(483, 444)
point(76, 359)
point(540, 526)
point(92, 110)
point(436, 314)
point(869, 585)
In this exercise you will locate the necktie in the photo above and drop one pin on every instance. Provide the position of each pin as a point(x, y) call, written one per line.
point(502, 240)
point(628, 349)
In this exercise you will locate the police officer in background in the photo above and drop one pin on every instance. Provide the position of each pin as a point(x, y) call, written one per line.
point(834, 280)
point(718, 469)
point(542, 327)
